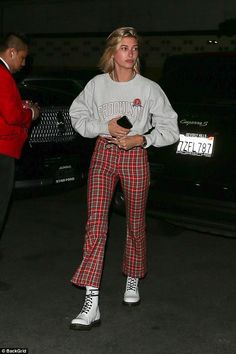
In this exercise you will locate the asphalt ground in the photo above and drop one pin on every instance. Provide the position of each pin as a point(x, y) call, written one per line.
point(188, 301)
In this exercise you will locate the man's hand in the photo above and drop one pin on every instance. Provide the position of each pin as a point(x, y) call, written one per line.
point(33, 106)
point(36, 109)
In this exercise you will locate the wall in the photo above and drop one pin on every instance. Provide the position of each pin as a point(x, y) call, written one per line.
point(76, 51)
point(70, 34)
point(57, 16)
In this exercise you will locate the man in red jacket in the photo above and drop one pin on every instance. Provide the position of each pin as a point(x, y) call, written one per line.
point(15, 116)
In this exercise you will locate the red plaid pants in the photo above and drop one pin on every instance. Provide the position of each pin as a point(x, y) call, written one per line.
point(110, 164)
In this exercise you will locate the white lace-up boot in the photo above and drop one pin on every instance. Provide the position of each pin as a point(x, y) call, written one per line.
point(131, 295)
point(89, 316)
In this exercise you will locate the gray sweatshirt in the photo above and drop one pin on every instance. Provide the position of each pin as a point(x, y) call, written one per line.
point(140, 99)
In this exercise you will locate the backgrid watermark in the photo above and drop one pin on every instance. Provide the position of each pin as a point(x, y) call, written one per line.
point(14, 350)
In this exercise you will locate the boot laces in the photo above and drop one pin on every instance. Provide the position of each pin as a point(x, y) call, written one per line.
point(132, 284)
point(87, 304)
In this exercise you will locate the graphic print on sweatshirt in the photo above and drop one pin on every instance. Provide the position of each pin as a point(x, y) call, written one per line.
point(133, 110)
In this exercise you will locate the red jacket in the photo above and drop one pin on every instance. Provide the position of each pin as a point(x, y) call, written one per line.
point(14, 120)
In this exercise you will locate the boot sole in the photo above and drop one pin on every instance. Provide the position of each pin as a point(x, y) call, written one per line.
point(81, 327)
point(130, 304)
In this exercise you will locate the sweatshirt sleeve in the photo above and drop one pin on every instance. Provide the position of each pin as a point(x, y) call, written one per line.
point(82, 117)
point(164, 120)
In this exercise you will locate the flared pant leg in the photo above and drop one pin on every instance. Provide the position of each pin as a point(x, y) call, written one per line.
point(101, 183)
point(135, 180)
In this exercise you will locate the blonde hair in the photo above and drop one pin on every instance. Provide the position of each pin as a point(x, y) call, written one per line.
point(106, 63)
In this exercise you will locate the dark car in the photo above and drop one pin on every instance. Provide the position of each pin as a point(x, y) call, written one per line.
point(70, 85)
point(54, 154)
point(193, 182)
point(70, 81)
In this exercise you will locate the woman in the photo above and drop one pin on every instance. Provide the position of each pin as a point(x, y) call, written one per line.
point(120, 154)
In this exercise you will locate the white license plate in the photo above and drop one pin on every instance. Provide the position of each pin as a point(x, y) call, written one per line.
point(195, 145)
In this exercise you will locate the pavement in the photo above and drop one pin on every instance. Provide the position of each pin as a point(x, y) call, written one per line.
point(188, 297)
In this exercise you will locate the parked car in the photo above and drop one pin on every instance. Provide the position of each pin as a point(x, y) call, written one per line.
point(193, 182)
point(70, 85)
point(54, 154)
point(70, 81)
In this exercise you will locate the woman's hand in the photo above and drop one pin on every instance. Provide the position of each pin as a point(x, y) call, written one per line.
point(116, 130)
point(128, 142)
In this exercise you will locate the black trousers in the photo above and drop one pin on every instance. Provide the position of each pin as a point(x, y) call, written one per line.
point(7, 172)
